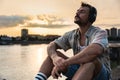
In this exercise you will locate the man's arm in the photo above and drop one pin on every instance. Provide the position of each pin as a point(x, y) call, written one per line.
point(97, 47)
point(86, 55)
point(52, 50)
point(58, 58)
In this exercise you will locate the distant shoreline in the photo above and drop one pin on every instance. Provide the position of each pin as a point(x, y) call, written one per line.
point(24, 42)
point(39, 42)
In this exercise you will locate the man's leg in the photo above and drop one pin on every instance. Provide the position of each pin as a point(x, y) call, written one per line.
point(45, 69)
point(87, 71)
point(47, 66)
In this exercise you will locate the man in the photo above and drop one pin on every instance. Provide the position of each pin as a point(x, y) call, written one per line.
point(89, 45)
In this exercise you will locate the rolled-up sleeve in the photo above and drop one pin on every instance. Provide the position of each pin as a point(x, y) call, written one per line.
point(101, 38)
point(63, 41)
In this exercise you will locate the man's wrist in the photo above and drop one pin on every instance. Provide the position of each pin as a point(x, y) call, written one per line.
point(67, 63)
point(53, 56)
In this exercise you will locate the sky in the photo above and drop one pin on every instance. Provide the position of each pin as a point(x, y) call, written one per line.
point(52, 16)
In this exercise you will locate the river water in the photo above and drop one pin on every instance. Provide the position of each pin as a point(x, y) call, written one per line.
point(19, 62)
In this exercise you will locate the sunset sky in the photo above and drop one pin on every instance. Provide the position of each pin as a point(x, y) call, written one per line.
point(52, 16)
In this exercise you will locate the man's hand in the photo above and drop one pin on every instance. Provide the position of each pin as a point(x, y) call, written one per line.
point(60, 63)
point(60, 66)
point(56, 73)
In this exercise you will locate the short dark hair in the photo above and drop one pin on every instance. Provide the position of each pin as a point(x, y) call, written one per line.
point(92, 12)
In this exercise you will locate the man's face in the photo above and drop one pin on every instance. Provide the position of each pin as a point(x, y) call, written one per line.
point(82, 15)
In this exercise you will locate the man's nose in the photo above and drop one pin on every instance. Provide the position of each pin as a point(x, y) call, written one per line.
point(77, 15)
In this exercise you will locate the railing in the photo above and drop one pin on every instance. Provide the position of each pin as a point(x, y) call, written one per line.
point(114, 51)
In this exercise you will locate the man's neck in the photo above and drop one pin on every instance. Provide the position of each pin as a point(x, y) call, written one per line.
point(83, 29)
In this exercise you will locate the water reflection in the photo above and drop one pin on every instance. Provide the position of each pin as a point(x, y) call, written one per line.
point(21, 62)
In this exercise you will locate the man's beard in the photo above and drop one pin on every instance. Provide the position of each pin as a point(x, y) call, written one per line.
point(80, 23)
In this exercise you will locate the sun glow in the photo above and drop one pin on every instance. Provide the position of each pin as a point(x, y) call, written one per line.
point(37, 21)
point(41, 54)
point(51, 17)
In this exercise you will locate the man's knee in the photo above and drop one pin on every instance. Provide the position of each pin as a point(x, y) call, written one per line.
point(97, 62)
point(84, 70)
point(88, 66)
point(94, 65)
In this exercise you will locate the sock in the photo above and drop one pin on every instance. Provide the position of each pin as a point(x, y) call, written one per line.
point(41, 76)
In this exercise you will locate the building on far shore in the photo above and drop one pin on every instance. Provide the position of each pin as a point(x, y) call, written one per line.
point(113, 32)
point(108, 32)
point(118, 32)
point(24, 33)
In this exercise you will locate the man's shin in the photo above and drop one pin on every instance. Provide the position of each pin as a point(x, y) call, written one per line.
point(45, 69)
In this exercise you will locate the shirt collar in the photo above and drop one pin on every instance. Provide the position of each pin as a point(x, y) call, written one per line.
point(88, 33)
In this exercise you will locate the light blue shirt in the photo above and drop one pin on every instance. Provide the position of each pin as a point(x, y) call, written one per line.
point(70, 40)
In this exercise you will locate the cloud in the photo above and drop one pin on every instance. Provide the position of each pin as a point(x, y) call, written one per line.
point(44, 21)
point(46, 25)
point(108, 25)
point(51, 19)
point(10, 21)
point(47, 21)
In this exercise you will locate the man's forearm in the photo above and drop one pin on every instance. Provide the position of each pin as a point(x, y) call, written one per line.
point(87, 55)
point(51, 50)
